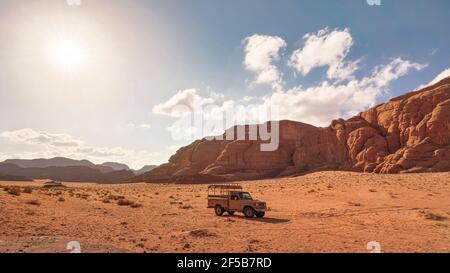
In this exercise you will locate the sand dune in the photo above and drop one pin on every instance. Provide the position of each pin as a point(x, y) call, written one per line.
point(320, 212)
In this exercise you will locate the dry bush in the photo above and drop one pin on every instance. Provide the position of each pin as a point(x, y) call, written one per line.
point(200, 233)
point(28, 190)
point(116, 197)
point(13, 190)
point(124, 202)
point(61, 199)
point(136, 205)
point(187, 206)
point(34, 202)
point(434, 217)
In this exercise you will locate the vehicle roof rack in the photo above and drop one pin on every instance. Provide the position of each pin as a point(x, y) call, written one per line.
point(226, 186)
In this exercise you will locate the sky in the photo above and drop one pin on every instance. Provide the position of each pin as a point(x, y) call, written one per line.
point(132, 81)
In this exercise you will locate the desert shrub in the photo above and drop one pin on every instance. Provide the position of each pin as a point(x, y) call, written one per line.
point(34, 202)
point(434, 217)
point(14, 191)
point(199, 233)
point(28, 190)
point(61, 199)
point(116, 197)
point(187, 206)
point(136, 205)
point(124, 202)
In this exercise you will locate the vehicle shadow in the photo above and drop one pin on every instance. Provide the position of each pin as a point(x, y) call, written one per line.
point(268, 220)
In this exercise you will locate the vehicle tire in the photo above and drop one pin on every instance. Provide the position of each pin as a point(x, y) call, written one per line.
point(230, 212)
point(249, 212)
point(219, 210)
point(260, 214)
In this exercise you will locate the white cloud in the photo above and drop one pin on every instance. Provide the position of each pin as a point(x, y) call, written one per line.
point(183, 103)
point(325, 48)
point(47, 145)
point(182, 129)
point(30, 136)
point(397, 68)
point(318, 104)
point(261, 52)
point(174, 148)
point(444, 74)
point(145, 126)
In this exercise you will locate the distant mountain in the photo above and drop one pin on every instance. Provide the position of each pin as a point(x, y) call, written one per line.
point(116, 166)
point(145, 169)
point(67, 173)
point(70, 170)
point(52, 162)
point(57, 162)
point(7, 177)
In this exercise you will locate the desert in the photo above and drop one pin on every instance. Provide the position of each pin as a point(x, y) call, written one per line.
point(181, 127)
point(317, 212)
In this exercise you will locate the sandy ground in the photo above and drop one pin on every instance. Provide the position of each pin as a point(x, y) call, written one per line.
point(320, 212)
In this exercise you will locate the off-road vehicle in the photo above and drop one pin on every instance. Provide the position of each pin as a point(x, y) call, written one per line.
point(231, 198)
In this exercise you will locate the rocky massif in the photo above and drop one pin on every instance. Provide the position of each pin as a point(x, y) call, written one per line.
point(410, 133)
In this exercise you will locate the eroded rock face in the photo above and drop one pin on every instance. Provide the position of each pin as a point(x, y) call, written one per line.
point(410, 133)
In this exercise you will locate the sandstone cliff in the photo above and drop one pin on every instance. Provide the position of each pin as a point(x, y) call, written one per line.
point(410, 133)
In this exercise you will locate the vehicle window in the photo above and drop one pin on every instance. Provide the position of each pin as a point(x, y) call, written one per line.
point(234, 197)
point(245, 196)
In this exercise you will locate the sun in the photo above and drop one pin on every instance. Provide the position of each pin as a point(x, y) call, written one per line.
point(68, 54)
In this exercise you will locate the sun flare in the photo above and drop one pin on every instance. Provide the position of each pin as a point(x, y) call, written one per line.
point(68, 54)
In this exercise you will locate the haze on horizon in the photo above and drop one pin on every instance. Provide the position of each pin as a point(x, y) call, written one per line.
point(112, 80)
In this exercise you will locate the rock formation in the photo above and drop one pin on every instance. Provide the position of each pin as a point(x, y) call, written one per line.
point(410, 133)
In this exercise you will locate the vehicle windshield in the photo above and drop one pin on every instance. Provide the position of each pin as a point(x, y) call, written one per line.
point(245, 196)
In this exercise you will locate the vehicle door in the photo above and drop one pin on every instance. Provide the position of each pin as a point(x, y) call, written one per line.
point(234, 201)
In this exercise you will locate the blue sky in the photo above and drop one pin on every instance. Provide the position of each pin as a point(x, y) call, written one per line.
point(113, 101)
